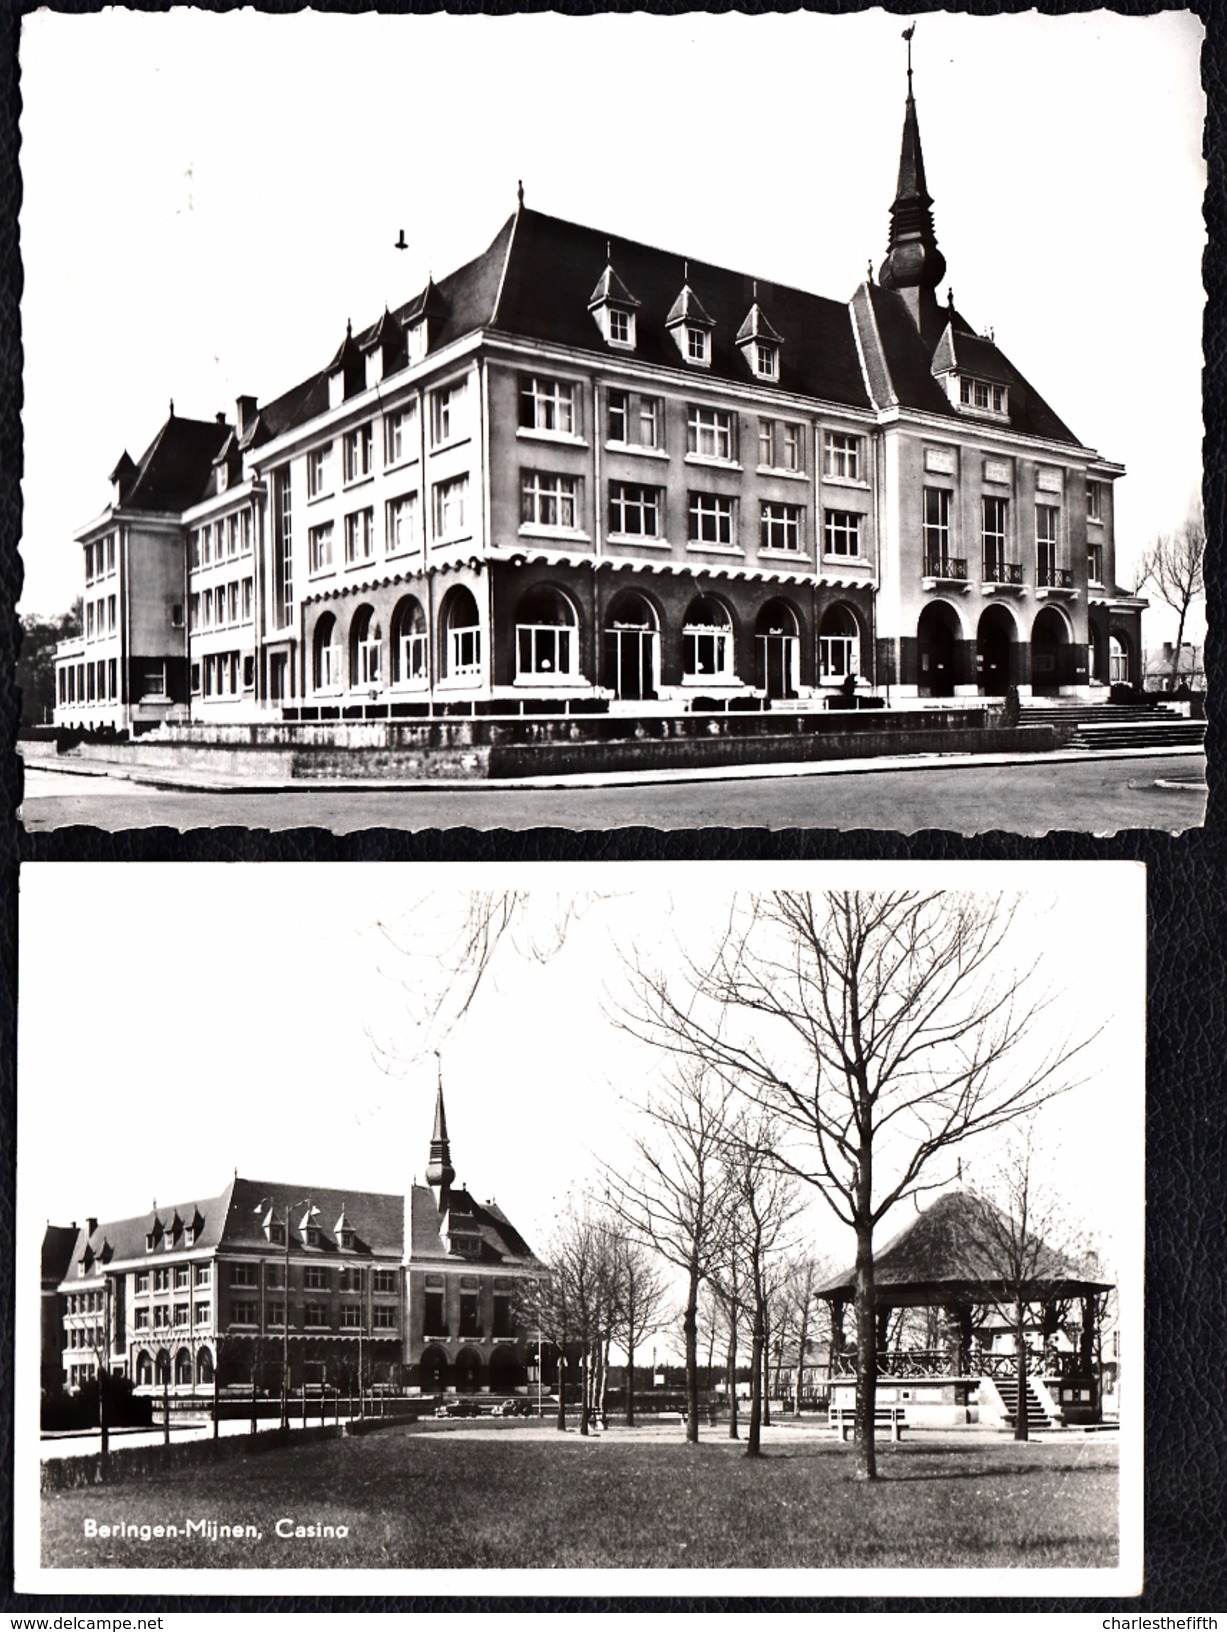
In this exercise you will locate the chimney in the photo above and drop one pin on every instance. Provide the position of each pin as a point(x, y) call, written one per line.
point(244, 413)
point(91, 1224)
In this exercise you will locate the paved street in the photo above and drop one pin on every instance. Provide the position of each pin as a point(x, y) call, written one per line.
point(1083, 795)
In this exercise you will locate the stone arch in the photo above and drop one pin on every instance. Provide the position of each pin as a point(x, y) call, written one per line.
point(546, 634)
point(144, 1369)
point(365, 649)
point(161, 1367)
point(505, 1370)
point(939, 643)
point(470, 1372)
point(409, 639)
point(460, 633)
point(996, 650)
point(777, 649)
point(434, 1371)
point(708, 635)
point(325, 655)
point(184, 1370)
point(204, 1365)
point(1121, 668)
point(839, 642)
point(632, 646)
point(1050, 638)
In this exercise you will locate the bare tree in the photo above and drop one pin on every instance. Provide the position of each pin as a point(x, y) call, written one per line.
point(639, 1291)
point(677, 1201)
point(1017, 1222)
point(1174, 566)
point(881, 1029)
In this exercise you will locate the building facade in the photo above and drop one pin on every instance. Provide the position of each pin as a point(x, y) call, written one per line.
point(584, 475)
point(330, 1288)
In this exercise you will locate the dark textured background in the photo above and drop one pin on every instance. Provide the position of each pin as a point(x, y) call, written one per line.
point(1186, 1410)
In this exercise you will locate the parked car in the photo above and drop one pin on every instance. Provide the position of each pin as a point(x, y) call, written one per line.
point(458, 1408)
point(514, 1408)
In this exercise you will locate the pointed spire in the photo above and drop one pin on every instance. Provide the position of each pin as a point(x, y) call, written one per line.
point(913, 260)
point(439, 1170)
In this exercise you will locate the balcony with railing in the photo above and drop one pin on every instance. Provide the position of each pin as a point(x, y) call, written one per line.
point(944, 569)
point(1001, 575)
point(1053, 580)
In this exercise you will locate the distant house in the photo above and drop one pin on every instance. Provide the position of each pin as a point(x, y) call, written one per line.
point(413, 1291)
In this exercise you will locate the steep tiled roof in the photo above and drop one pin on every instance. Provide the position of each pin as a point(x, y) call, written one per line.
point(498, 1236)
point(376, 1219)
point(58, 1243)
point(946, 1247)
point(174, 470)
point(125, 1237)
point(553, 266)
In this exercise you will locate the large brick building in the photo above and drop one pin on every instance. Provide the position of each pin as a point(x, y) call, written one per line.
point(414, 1291)
point(581, 474)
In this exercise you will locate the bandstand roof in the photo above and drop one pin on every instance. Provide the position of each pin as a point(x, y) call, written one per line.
point(943, 1256)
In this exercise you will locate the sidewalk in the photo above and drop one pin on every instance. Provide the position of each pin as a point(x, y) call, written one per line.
point(194, 780)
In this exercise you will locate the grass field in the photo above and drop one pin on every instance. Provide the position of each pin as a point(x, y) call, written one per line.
point(446, 1497)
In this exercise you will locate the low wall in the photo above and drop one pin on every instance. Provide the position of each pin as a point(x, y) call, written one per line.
point(133, 1461)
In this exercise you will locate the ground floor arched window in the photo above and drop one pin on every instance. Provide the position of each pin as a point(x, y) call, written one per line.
point(546, 634)
point(183, 1366)
point(326, 655)
point(204, 1367)
point(461, 634)
point(468, 1371)
point(707, 640)
point(1118, 661)
point(839, 642)
point(631, 648)
point(365, 649)
point(410, 643)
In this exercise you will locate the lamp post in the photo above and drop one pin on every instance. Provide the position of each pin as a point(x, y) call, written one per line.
point(268, 1208)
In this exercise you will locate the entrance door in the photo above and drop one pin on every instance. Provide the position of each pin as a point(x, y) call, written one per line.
point(1047, 639)
point(937, 634)
point(993, 651)
point(630, 662)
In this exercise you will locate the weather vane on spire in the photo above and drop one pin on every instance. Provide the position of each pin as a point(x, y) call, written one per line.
point(907, 35)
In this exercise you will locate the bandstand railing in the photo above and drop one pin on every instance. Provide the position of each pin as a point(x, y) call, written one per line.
point(941, 1363)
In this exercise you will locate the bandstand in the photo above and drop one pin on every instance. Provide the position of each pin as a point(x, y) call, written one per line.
point(945, 1343)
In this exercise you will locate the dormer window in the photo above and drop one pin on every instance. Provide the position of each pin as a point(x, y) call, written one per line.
point(614, 307)
point(982, 396)
point(759, 343)
point(766, 361)
point(691, 327)
point(697, 345)
point(418, 340)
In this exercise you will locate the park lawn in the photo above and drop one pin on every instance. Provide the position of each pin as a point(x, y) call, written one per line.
point(424, 1499)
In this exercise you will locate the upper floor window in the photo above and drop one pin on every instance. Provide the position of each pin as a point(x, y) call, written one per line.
point(1094, 563)
point(358, 448)
point(698, 345)
point(766, 441)
point(319, 471)
point(936, 529)
point(621, 327)
point(359, 536)
point(315, 1277)
point(548, 500)
point(450, 501)
point(711, 432)
point(1094, 501)
point(634, 510)
point(548, 405)
point(447, 412)
point(383, 1280)
point(841, 456)
point(994, 517)
point(632, 419)
point(711, 519)
point(779, 527)
point(1047, 522)
point(983, 395)
point(766, 360)
point(399, 432)
point(402, 523)
point(841, 533)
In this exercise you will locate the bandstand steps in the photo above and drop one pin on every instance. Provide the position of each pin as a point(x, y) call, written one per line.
point(1037, 1416)
point(1167, 733)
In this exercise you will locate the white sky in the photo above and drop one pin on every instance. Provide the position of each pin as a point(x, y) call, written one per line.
point(179, 1020)
point(208, 198)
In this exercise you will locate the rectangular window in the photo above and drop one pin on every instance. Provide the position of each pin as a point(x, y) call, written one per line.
point(634, 510)
point(470, 1319)
point(351, 1316)
point(1094, 563)
point(194, 556)
point(232, 602)
point(447, 412)
point(450, 502)
point(112, 609)
point(994, 515)
point(548, 405)
point(780, 527)
point(618, 414)
point(276, 1312)
point(204, 1274)
point(401, 521)
point(1094, 501)
point(633, 420)
point(110, 552)
point(153, 680)
point(319, 471)
point(315, 1276)
point(619, 327)
point(243, 1312)
point(181, 1314)
point(248, 589)
point(315, 1314)
point(399, 434)
point(650, 420)
point(711, 519)
point(357, 449)
point(766, 361)
point(548, 500)
point(1047, 521)
point(794, 448)
point(982, 394)
point(383, 1280)
point(240, 1274)
point(140, 1319)
point(697, 345)
point(841, 533)
point(232, 537)
point(202, 1314)
point(711, 433)
point(435, 1314)
point(766, 441)
point(841, 456)
point(181, 1275)
point(383, 1317)
point(319, 547)
point(504, 1324)
point(161, 1316)
point(89, 620)
point(937, 532)
point(359, 536)
point(283, 567)
point(245, 533)
point(142, 1280)
point(206, 543)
